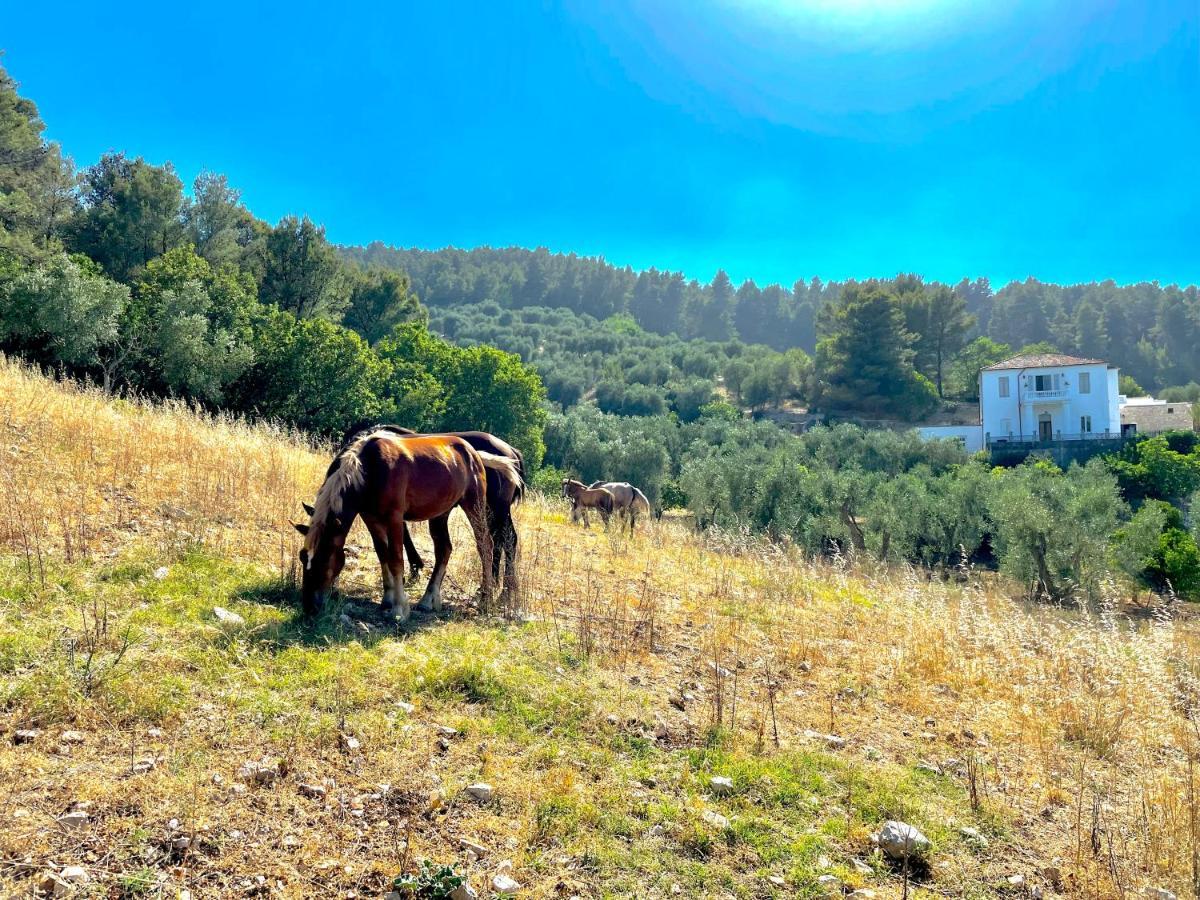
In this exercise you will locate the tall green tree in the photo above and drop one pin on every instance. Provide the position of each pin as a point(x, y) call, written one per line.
point(947, 324)
point(131, 214)
point(866, 362)
point(380, 299)
point(36, 182)
point(301, 272)
point(217, 223)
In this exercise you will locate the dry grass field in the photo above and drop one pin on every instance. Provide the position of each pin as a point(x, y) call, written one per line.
point(150, 748)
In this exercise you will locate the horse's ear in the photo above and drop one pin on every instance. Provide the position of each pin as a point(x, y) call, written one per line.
point(308, 509)
point(303, 529)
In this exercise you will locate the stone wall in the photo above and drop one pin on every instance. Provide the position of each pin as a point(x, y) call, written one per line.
point(1162, 416)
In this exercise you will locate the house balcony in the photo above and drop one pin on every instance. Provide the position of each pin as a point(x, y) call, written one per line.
point(1035, 396)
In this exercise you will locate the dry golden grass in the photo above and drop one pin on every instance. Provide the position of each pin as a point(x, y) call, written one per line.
point(639, 668)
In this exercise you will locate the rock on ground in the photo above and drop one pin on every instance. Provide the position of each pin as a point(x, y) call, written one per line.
point(225, 617)
point(900, 840)
point(482, 791)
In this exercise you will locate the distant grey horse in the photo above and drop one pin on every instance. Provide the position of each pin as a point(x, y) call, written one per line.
point(628, 500)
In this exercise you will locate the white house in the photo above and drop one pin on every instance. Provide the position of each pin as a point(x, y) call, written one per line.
point(1049, 396)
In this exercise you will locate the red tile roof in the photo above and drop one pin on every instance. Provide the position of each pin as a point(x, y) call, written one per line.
point(1042, 361)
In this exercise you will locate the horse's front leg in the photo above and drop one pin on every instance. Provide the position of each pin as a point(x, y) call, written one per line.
point(379, 538)
point(395, 565)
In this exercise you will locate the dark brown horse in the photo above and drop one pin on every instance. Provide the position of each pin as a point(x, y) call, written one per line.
point(501, 497)
point(389, 479)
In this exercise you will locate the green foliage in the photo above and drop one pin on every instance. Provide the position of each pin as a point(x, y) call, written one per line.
point(36, 182)
point(1129, 387)
point(380, 300)
point(70, 310)
point(1050, 525)
point(313, 374)
point(1155, 550)
point(866, 362)
point(432, 882)
point(131, 214)
point(301, 272)
point(962, 380)
point(1152, 469)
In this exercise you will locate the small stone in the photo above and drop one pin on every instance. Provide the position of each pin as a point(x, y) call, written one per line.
point(73, 820)
point(154, 733)
point(316, 791)
point(142, 766)
point(463, 892)
point(446, 731)
point(715, 819)
point(481, 791)
point(777, 880)
point(931, 768)
point(72, 737)
point(291, 842)
point(225, 617)
point(1015, 881)
point(862, 894)
point(406, 707)
point(900, 840)
point(349, 742)
point(720, 784)
point(75, 875)
point(345, 621)
point(830, 884)
point(261, 772)
point(161, 572)
point(861, 868)
point(181, 843)
point(503, 883)
point(478, 849)
point(973, 836)
point(823, 862)
point(25, 735)
point(656, 831)
point(1157, 893)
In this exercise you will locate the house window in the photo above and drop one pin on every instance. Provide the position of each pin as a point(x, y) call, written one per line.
point(1003, 385)
point(1170, 410)
point(1085, 382)
point(1085, 424)
point(1043, 382)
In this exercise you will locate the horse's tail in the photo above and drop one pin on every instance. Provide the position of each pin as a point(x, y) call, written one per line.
point(640, 502)
point(507, 468)
point(520, 461)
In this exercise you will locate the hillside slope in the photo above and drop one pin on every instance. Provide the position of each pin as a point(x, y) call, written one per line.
point(166, 751)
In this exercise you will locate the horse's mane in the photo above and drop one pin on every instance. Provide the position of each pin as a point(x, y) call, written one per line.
point(345, 476)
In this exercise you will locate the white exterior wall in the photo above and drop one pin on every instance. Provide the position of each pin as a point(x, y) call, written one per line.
point(1016, 416)
point(971, 435)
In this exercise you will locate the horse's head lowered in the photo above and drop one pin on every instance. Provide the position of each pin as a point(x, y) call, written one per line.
point(322, 559)
point(323, 555)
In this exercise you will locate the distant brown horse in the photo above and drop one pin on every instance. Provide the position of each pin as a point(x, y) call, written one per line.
point(584, 498)
point(389, 479)
point(629, 501)
point(502, 495)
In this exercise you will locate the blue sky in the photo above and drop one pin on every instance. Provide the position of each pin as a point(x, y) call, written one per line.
point(774, 138)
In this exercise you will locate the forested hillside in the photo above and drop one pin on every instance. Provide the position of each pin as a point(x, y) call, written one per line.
point(1152, 332)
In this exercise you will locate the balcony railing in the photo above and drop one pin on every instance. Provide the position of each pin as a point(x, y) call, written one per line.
point(1055, 394)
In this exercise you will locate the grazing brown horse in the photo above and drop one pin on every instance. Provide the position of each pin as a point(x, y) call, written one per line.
point(584, 498)
point(628, 499)
point(387, 479)
point(501, 497)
